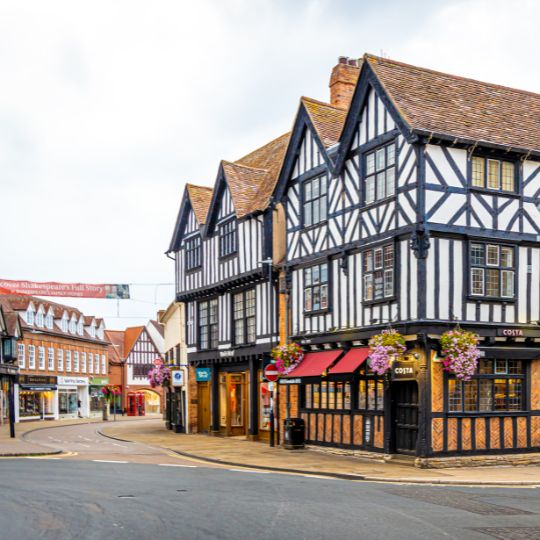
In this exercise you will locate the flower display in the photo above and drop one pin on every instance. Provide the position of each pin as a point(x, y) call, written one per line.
point(383, 347)
point(159, 375)
point(287, 357)
point(110, 391)
point(460, 351)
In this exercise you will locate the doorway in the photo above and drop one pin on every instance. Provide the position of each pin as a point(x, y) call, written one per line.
point(232, 403)
point(203, 407)
point(405, 416)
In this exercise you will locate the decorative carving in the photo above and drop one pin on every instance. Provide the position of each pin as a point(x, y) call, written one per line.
point(344, 263)
point(420, 243)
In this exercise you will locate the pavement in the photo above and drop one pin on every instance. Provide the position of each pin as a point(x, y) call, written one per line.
point(260, 456)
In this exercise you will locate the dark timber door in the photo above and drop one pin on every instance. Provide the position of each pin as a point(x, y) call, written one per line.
point(203, 409)
point(405, 399)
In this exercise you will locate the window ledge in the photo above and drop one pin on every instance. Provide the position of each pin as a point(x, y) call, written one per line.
point(385, 300)
point(490, 299)
point(194, 270)
point(368, 206)
point(228, 257)
point(497, 192)
point(317, 312)
point(314, 226)
point(487, 413)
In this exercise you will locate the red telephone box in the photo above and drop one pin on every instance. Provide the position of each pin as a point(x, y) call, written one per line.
point(132, 404)
point(140, 404)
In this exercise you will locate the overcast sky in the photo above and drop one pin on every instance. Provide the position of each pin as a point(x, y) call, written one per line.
point(108, 107)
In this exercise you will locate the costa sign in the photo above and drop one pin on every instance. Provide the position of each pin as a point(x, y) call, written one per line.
point(510, 332)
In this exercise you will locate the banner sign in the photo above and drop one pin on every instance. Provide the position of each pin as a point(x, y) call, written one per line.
point(202, 374)
point(73, 290)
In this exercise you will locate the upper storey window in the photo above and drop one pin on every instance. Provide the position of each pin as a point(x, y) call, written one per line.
point(493, 174)
point(39, 319)
point(193, 253)
point(316, 288)
point(381, 173)
point(227, 238)
point(492, 270)
point(208, 324)
point(315, 201)
point(378, 273)
point(29, 316)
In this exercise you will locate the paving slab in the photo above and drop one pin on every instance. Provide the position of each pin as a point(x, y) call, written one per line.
point(244, 453)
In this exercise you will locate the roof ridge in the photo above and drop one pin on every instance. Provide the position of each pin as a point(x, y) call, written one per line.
point(446, 74)
point(235, 164)
point(189, 184)
point(324, 103)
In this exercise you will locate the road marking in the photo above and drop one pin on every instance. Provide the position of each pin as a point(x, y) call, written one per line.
point(41, 457)
point(249, 471)
point(53, 439)
point(108, 461)
point(177, 465)
point(120, 445)
point(85, 445)
point(318, 476)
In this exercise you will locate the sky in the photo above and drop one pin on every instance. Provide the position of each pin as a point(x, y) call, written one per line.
point(107, 109)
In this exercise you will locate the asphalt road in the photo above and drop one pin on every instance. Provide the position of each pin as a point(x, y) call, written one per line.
point(137, 492)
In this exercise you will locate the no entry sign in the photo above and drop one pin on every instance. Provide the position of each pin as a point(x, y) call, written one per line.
point(271, 373)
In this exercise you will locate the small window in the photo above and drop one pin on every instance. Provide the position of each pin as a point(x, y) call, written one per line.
point(21, 355)
point(380, 173)
point(83, 362)
point(244, 317)
point(41, 358)
point(378, 267)
point(208, 324)
point(68, 361)
point(227, 238)
point(31, 357)
point(50, 359)
point(60, 359)
point(491, 270)
point(193, 253)
point(493, 174)
point(76, 361)
point(315, 201)
point(316, 288)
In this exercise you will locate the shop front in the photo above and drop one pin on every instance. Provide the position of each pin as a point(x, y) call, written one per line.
point(95, 395)
point(37, 398)
point(73, 398)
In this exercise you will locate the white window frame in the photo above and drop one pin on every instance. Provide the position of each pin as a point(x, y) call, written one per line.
point(50, 358)
point(83, 362)
point(31, 357)
point(41, 357)
point(90, 363)
point(103, 364)
point(76, 361)
point(68, 361)
point(60, 359)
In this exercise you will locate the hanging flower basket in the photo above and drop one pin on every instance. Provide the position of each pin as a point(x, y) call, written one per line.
point(287, 357)
point(383, 348)
point(460, 352)
point(110, 391)
point(159, 375)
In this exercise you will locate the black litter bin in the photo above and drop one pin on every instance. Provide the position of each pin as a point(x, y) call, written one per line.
point(294, 433)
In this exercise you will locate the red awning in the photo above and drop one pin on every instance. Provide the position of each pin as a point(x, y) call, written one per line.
point(315, 363)
point(351, 361)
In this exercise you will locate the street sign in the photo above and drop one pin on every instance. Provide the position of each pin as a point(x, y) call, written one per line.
point(177, 377)
point(271, 373)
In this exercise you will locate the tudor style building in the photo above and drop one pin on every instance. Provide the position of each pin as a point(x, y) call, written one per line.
point(413, 200)
point(223, 248)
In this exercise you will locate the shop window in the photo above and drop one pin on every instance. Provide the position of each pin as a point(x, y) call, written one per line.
point(378, 269)
point(380, 173)
point(208, 324)
point(492, 270)
point(67, 402)
point(371, 394)
point(316, 288)
point(21, 355)
point(227, 238)
point(265, 403)
point(41, 357)
point(498, 386)
point(68, 361)
point(327, 395)
point(31, 357)
point(193, 253)
point(315, 201)
point(244, 317)
point(493, 174)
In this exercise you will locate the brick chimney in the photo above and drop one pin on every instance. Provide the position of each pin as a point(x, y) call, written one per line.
point(343, 81)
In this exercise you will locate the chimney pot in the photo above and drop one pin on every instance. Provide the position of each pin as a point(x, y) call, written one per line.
point(352, 62)
point(343, 59)
point(343, 82)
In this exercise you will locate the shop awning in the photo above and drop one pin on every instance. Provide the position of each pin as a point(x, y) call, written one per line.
point(351, 361)
point(315, 363)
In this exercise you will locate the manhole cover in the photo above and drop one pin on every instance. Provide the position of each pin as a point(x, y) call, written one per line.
point(455, 499)
point(510, 533)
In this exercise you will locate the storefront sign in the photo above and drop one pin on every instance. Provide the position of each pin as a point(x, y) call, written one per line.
point(226, 354)
point(403, 370)
point(290, 381)
point(73, 381)
point(99, 381)
point(38, 380)
point(510, 332)
point(177, 377)
point(202, 374)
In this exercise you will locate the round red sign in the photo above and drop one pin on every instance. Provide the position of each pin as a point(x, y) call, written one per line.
point(271, 373)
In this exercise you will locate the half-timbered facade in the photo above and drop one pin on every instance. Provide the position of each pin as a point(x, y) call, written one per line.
point(413, 200)
point(223, 251)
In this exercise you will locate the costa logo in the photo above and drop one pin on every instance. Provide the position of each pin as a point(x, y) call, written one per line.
point(512, 332)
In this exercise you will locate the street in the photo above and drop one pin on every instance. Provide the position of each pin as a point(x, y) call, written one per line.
point(105, 488)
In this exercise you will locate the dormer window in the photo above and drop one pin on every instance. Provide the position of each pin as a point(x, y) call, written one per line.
point(93, 331)
point(493, 174)
point(29, 316)
point(49, 320)
point(227, 238)
point(100, 333)
point(72, 326)
point(64, 324)
point(193, 253)
point(80, 328)
point(39, 319)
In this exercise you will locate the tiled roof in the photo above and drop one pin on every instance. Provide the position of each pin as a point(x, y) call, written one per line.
point(116, 347)
point(327, 120)
point(457, 107)
point(252, 178)
point(200, 197)
point(131, 335)
point(158, 326)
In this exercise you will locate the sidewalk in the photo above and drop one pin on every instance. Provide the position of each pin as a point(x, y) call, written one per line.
point(20, 447)
point(256, 455)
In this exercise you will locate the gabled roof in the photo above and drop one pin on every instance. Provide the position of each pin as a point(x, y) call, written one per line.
point(131, 335)
point(457, 107)
point(116, 347)
point(327, 120)
point(200, 197)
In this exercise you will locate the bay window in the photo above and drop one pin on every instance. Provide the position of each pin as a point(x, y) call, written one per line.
point(208, 324)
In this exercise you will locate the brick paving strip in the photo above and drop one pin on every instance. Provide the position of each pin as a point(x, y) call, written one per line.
point(257, 455)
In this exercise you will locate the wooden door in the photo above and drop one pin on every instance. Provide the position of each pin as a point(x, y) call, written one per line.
point(405, 398)
point(203, 407)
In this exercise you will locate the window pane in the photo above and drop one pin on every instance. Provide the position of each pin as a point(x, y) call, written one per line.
point(324, 296)
point(507, 257)
point(492, 258)
point(315, 188)
point(316, 396)
point(316, 212)
point(455, 403)
point(347, 396)
point(390, 182)
point(381, 185)
point(307, 277)
point(486, 367)
point(380, 396)
point(307, 215)
point(515, 367)
point(322, 206)
point(380, 159)
point(388, 256)
point(507, 183)
point(307, 300)
point(500, 395)
point(500, 367)
point(362, 394)
point(368, 287)
point(494, 174)
point(323, 185)
point(331, 395)
point(388, 282)
point(307, 394)
point(324, 395)
point(492, 282)
point(477, 281)
point(371, 395)
point(477, 254)
point(470, 388)
point(324, 273)
point(370, 163)
point(370, 189)
point(316, 298)
point(378, 285)
point(390, 155)
point(339, 395)
point(368, 261)
point(507, 283)
point(315, 274)
point(478, 172)
point(486, 397)
point(514, 394)
point(378, 258)
point(307, 191)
